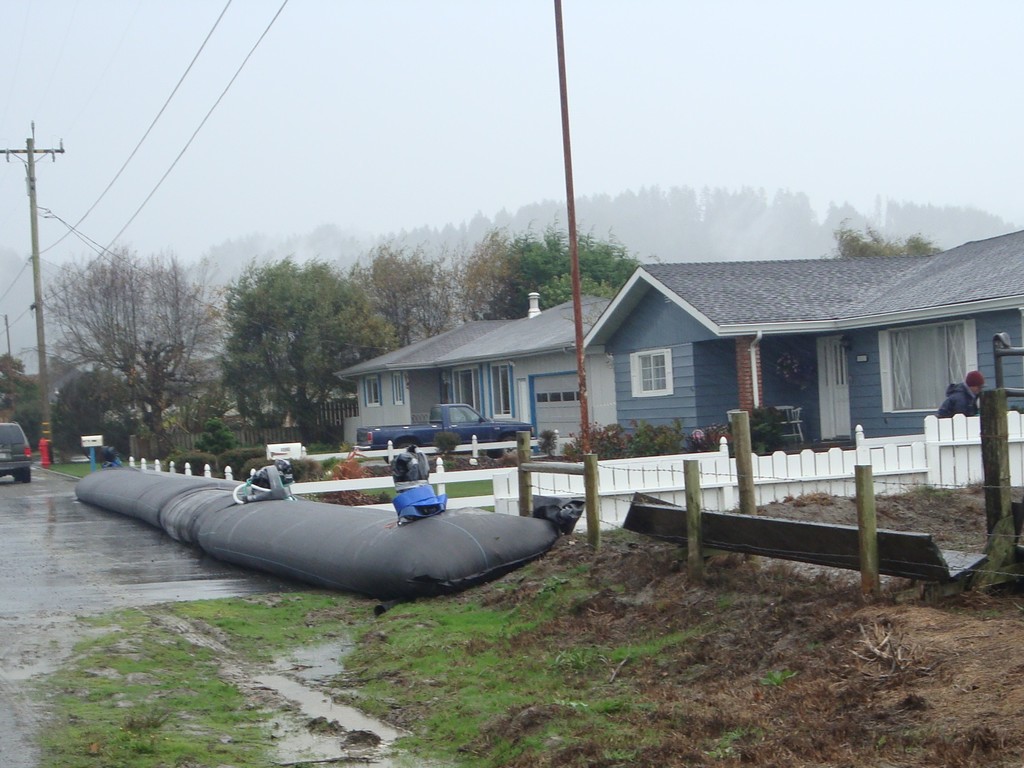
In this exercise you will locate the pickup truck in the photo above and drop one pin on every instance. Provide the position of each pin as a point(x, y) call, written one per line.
point(459, 418)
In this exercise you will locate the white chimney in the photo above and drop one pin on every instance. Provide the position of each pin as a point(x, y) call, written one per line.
point(534, 304)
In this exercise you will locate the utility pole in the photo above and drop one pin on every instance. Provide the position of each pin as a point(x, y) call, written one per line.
point(30, 152)
point(574, 258)
point(8, 329)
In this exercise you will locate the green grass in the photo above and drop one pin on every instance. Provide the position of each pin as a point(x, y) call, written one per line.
point(143, 696)
point(139, 696)
point(78, 469)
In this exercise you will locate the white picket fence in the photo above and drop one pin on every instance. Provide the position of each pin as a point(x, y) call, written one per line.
point(946, 455)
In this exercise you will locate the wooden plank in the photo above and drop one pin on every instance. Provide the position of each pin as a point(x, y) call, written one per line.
point(900, 553)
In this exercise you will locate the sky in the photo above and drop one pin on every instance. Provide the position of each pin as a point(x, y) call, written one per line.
point(395, 114)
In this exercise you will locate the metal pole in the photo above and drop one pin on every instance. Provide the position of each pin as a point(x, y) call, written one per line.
point(574, 256)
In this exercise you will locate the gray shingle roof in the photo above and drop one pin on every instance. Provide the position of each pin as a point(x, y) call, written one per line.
point(552, 329)
point(742, 292)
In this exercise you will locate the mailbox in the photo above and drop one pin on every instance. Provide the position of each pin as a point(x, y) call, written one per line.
point(284, 451)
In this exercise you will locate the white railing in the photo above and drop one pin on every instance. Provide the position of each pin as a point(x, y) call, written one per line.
point(473, 448)
point(946, 455)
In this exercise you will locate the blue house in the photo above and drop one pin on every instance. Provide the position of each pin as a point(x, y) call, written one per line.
point(868, 341)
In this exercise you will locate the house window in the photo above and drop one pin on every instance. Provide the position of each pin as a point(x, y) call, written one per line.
point(466, 389)
point(501, 387)
point(398, 388)
point(371, 390)
point(919, 362)
point(651, 372)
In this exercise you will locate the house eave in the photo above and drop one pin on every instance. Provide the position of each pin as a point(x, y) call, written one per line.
point(868, 321)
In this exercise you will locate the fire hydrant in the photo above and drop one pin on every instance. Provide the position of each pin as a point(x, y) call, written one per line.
point(44, 452)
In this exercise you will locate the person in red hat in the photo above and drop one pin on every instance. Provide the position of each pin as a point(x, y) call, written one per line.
point(962, 397)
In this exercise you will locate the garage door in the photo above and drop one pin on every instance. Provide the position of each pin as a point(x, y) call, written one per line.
point(557, 402)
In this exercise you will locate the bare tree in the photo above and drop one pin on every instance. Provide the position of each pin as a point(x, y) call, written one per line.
point(150, 321)
point(415, 293)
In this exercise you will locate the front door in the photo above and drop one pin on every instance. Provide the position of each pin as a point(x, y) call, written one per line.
point(833, 388)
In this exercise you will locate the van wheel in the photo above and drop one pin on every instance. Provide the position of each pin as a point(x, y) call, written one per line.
point(25, 476)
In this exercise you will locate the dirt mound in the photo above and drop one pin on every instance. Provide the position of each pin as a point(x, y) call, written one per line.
point(792, 662)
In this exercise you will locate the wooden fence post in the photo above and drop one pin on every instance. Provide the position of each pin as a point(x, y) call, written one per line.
point(740, 424)
point(590, 483)
point(867, 530)
point(995, 455)
point(525, 486)
point(694, 533)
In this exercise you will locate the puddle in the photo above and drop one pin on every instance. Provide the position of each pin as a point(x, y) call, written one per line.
point(317, 728)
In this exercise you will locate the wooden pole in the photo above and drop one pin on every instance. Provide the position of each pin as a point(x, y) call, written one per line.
point(739, 421)
point(590, 480)
point(694, 532)
point(525, 486)
point(995, 457)
point(867, 530)
point(574, 257)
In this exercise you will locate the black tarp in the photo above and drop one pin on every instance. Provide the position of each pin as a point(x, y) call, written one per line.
point(354, 549)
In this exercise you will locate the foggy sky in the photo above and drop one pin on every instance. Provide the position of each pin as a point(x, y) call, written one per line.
point(390, 115)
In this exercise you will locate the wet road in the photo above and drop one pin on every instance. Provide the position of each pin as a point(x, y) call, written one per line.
point(60, 559)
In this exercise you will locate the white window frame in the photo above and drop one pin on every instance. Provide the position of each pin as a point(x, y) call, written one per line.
point(501, 389)
point(643, 370)
point(457, 387)
point(398, 388)
point(371, 391)
point(890, 359)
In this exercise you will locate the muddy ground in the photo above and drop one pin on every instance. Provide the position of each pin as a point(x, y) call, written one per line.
point(802, 668)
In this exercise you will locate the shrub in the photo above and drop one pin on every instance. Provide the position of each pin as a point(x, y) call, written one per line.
point(656, 440)
point(707, 438)
point(216, 437)
point(766, 425)
point(446, 442)
point(548, 442)
point(608, 442)
point(237, 457)
point(303, 470)
point(197, 459)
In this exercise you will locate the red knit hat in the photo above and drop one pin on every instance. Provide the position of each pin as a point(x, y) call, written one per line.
point(974, 379)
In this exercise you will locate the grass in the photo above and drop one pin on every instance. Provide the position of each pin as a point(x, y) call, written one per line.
point(77, 469)
point(141, 696)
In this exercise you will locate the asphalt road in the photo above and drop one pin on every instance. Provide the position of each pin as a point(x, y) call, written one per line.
point(59, 560)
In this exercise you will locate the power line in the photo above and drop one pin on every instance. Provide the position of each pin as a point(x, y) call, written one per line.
point(201, 124)
point(144, 136)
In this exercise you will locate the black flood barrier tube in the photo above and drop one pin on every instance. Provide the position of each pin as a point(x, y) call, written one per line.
point(352, 549)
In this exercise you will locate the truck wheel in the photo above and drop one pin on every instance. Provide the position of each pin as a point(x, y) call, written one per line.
point(401, 445)
point(497, 453)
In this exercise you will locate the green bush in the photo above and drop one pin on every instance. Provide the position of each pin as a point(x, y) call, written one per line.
point(237, 457)
point(303, 470)
point(656, 440)
point(608, 442)
point(446, 442)
point(197, 459)
point(547, 442)
point(708, 438)
point(216, 437)
point(766, 428)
